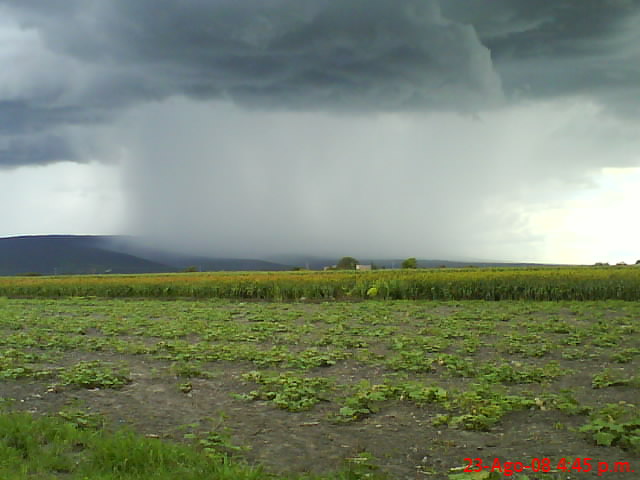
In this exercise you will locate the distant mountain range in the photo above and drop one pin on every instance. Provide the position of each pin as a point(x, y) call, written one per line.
point(86, 254)
point(74, 254)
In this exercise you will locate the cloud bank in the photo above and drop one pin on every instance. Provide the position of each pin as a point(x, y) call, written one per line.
point(88, 59)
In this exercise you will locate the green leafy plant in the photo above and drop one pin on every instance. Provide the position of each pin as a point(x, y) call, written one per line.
point(365, 400)
point(615, 424)
point(626, 355)
point(516, 372)
point(287, 391)
point(482, 407)
point(82, 418)
point(15, 363)
point(95, 374)
point(214, 444)
point(609, 378)
point(185, 387)
point(566, 403)
point(188, 370)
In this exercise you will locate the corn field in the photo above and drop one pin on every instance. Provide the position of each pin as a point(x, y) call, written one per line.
point(553, 283)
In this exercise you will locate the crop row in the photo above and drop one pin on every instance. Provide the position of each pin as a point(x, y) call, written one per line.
point(552, 283)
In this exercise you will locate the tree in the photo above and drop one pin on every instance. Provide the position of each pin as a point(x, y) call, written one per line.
point(347, 263)
point(410, 263)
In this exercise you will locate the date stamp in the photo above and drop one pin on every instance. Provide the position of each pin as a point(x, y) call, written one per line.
point(546, 465)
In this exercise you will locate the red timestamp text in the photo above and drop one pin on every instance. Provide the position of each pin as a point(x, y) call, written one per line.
point(546, 465)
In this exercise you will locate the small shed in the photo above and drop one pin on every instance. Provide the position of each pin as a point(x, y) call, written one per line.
point(363, 267)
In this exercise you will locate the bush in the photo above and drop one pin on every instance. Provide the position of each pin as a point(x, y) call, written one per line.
point(410, 263)
point(347, 263)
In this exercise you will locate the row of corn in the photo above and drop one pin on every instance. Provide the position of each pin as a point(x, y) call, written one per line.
point(553, 283)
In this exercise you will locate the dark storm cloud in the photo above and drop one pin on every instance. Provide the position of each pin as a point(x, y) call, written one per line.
point(330, 55)
point(548, 49)
point(525, 27)
point(28, 132)
point(19, 117)
point(352, 54)
point(41, 150)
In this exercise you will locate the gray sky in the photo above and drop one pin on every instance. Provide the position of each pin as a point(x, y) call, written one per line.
point(500, 129)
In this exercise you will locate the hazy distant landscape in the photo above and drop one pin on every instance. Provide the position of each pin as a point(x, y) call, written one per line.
point(78, 254)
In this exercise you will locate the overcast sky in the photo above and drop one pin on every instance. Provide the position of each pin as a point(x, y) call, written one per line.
point(460, 129)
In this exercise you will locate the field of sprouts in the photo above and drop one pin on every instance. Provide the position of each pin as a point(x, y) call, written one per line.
point(335, 380)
